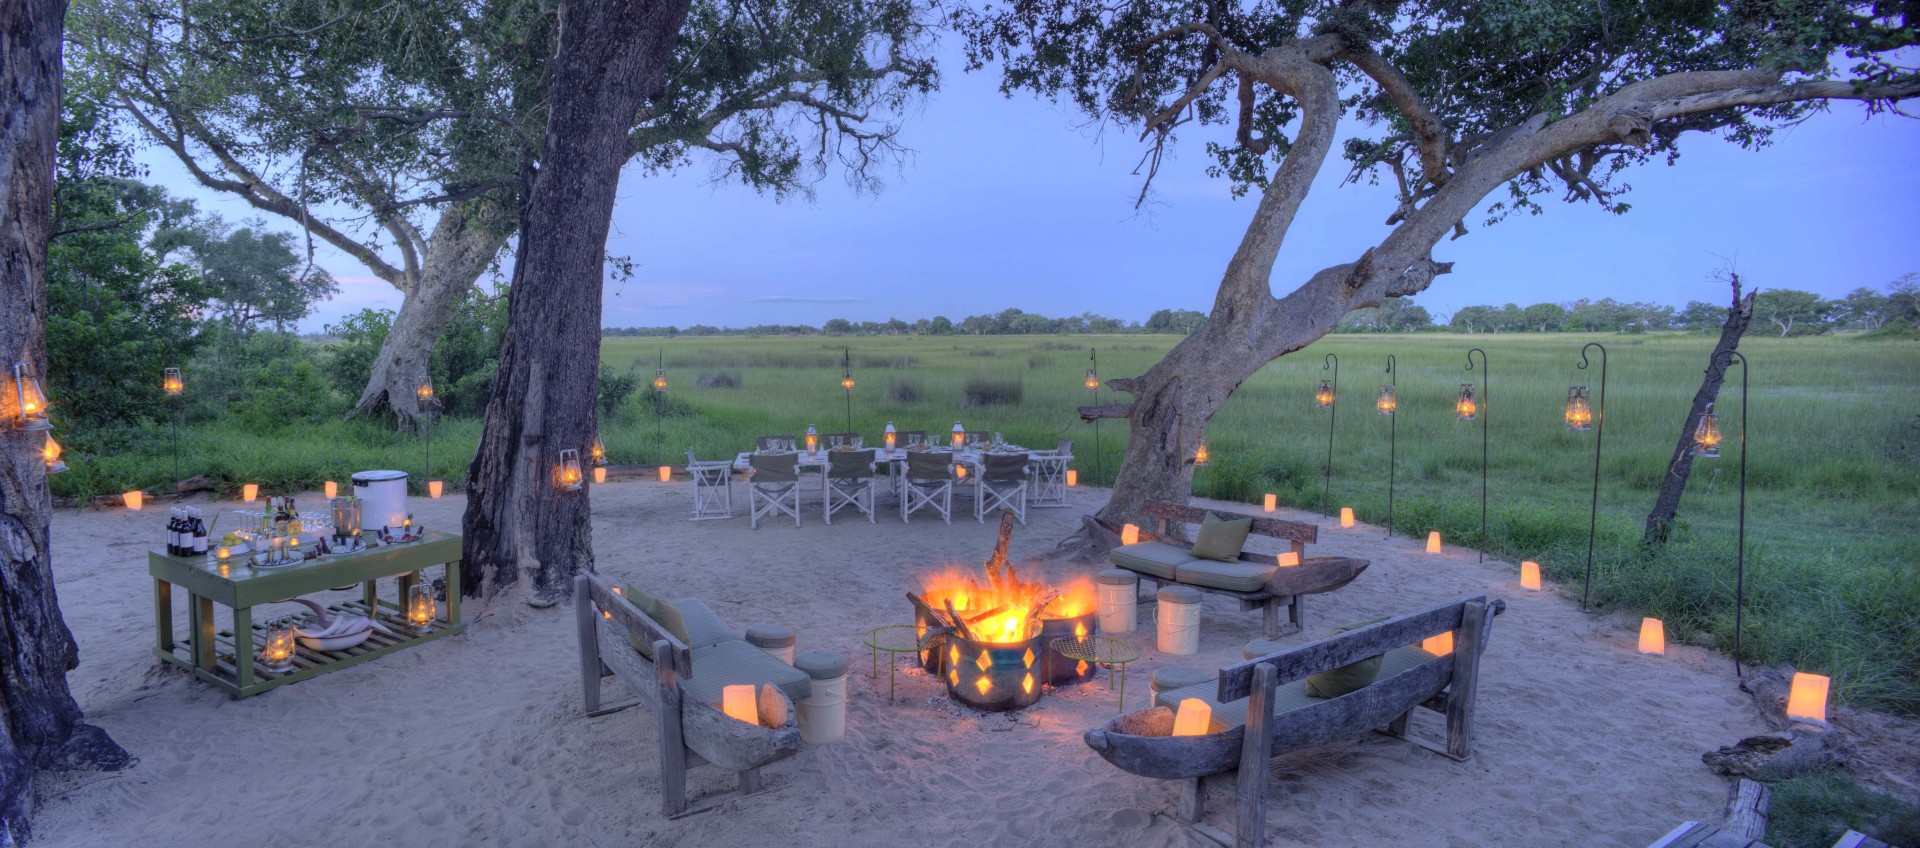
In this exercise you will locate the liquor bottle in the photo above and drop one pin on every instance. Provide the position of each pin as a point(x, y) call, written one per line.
point(173, 531)
point(199, 534)
point(180, 539)
point(294, 526)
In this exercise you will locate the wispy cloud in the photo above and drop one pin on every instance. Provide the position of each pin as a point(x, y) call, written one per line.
point(787, 298)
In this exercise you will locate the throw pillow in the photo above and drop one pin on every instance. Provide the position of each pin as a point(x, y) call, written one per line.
point(1350, 677)
point(1221, 539)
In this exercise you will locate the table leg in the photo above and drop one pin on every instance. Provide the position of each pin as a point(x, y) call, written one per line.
point(405, 582)
point(205, 653)
point(243, 647)
point(891, 656)
point(453, 593)
point(370, 595)
point(163, 614)
point(1123, 686)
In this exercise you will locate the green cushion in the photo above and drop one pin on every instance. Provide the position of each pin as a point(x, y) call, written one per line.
point(1287, 697)
point(1221, 539)
point(1237, 576)
point(1154, 559)
point(734, 662)
point(663, 613)
point(700, 626)
point(1347, 678)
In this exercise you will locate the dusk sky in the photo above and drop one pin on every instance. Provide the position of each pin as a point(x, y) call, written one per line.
point(1013, 203)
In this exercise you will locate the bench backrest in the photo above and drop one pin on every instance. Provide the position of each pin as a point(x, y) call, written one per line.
point(1236, 681)
point(1296, 532)
point(623, 616)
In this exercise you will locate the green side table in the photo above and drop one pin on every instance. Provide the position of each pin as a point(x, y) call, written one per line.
point(226, 658)
point(892, 640)
point(1101, 650)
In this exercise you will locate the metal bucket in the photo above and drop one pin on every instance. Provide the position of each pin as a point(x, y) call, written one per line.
point(994, 676)
point(1060, 668)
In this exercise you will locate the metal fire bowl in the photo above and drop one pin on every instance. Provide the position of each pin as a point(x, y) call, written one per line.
point(1060, 668)
point(994, 676)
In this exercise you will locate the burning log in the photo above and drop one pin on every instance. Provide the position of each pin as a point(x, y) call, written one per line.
point(959, 624)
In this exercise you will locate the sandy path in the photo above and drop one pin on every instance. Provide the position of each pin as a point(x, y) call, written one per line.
point(480, 740)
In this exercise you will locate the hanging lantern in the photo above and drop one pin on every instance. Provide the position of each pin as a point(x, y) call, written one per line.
point(1323, 397)
point(1706, 436)
point(277, 653)
point(597, 451)
point(569, 471)
point(1653, 637)
point(31, 412)
point(659, 379)
point(1386, 403)
point(1093, 381)
point(424, 391)
point(1193, 718)
point(1807, 699)
point(421, 609)
point(51, 453)
point(1200, 455)
point(846, 380)
point(171, 383)
point(1579, 409)
point(1466, 407)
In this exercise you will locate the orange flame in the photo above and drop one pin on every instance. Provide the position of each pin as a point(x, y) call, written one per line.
point(1014, 601)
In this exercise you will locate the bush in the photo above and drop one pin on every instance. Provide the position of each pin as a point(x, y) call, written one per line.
point(1815, 809)
point(1036, 363)
point(904, 391)
point(991, 391)
point(716, 380)
point(358, 338)
point(615, 389)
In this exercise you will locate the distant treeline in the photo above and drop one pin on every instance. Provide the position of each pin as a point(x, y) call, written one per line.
point(1785, 311)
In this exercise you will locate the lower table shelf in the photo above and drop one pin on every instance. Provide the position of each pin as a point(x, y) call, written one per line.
point(307, 662)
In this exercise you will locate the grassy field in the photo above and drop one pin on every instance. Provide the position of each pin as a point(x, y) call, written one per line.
point(1834, 464)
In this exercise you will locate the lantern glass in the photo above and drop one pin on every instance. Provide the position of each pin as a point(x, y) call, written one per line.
point(959, 435)
point(597, 451)
point(846, 380)
point(1579, 413)
point(1323, 396)
point(171, 383)
point(1706, 436)
point(571, 478)
point(1466, 408)
point(277, 653)
point(32, 411)
point(1093, 380)
point(51, 453)
point(425, 390)
point(421, 608)
point(659, 380)
point(1387, 402)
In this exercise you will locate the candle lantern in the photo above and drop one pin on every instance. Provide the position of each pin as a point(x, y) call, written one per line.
point(959, 436)
point(134, 499)
point(1438, 646)
point(1193, 718)
point(1093, 380)
point(31, 410)
point(1346, 517)
point(1807, 699)
point(1530, 575)
point(1073, 477)
point(1200, 455)
point(597, 451)
point(1433, 542)
point(891, 436)
point(660, 378)
point(1270, 503)
point(1386, 403)
point(1130, 534)
point(346, 519)
point(666, 473)
point(332, 490)
point(50, 452)
point(424, 391)
point(277, 653)
point(846, 383)
point(421, 608)
point(569, 474)
point(435, 488)
point(1323, 396)
point(250, 492)
point(1706, 436)
point(222, 554)
point(1289, 559)
point(1466, 408)
point(1653, 637)
point(846, 380)
point(1093, 391)
point(813, 439)
point(739, 703)
point(1579, 414)
point(599, 474)
point(171, 383)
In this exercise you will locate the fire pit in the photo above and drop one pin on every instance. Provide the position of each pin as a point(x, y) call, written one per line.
point(988, 640)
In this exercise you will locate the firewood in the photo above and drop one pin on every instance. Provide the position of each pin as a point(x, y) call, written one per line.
point(992, 612)
point(1772, 756)
point(998, 562)
point(959, 624)
point(932, 614)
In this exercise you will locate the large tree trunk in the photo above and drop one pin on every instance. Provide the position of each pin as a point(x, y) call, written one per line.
point(611, 58)
point(464, 242)
point(43, 723)
point(1667, 504)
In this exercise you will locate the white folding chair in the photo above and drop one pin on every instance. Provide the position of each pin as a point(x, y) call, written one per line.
point(929, 485)
point(775, 482)
point(849, 482)
point(1002, 485)
point(1050, 475)
point(712, 488)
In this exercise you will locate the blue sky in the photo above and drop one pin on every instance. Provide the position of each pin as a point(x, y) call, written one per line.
point(1016, 203)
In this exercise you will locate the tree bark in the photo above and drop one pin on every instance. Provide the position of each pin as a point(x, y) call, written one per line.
point(1667, 504)
point(466, 239)
point(43, 723)
point(611, 59)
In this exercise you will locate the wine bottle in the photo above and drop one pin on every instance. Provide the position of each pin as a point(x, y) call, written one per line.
point(199, 534)
point(173, 531)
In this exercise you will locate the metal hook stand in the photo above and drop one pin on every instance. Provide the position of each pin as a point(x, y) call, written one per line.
point(1333, 411)
point(1093, 360)
point(1599, 437)
point(1393, 434)
point(1740, 549)
point(1486, 401)
point(659, 414)
point(846, 368)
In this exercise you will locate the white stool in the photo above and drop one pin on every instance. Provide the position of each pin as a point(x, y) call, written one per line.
point(1178, 620)
point(823, 715)
point(1118, 600)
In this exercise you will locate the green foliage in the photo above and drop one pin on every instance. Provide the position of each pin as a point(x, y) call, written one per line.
point(1814, 810)
point(1181, 321)
point(1792, 312)
point(254, 277)
point(356, 344)
point(994, 391)
point(1397, 315)
point(263, 381)
point(614, 389)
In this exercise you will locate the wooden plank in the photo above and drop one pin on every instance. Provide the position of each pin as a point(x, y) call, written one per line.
point(163, 615)
point(1673, 837)
point(1746, 812)
point(1250, 829)
point(1193, 800)
point(1856, 839)
point(632, 621)
point(1469, 642)
point(673, 748)
point(589, 635)
point(1349, 647)
point(1278, 528)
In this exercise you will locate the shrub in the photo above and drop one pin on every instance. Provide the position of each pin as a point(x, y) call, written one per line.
point(990, 391)
point(1036, 363)
point(904, 391)
point(716, 380)
point(615, 389)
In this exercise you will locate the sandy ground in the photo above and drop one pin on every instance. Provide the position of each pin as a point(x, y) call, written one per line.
point(480, 739)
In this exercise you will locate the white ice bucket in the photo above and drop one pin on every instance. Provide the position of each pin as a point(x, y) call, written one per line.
point(383, 498)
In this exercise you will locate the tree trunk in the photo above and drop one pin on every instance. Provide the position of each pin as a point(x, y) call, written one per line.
point(466, 239)
point(611, 59)
point(1667, 504)
point(43, 723)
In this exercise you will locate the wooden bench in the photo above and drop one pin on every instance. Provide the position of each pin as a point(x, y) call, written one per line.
point(692, 732)
point(1283, 588)
point(1142, 743)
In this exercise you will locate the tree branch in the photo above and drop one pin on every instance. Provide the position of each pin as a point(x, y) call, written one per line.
point(1429, 132)
point(1106, 410)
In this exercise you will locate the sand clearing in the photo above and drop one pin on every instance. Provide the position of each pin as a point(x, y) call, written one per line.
point(480, 740)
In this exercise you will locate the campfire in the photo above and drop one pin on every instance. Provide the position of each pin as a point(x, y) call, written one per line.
point(988, 639)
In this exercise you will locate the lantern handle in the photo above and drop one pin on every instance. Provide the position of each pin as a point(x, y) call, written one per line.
point(1393, 376)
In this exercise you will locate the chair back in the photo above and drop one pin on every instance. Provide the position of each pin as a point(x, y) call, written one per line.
point(773, 443)
point(850, 465)
point(1005, 467)
point(690, 459)
point(903, 438)
point(1065, 448)
point(834, 440)
point(978, 438)
point(928, 465)
point(784, 468)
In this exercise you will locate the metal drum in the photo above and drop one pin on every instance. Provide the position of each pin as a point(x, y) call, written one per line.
point(994, 676)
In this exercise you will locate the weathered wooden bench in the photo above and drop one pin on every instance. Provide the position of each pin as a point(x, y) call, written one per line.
point(1256, 581)
point(692, 732)
point(1142, 743)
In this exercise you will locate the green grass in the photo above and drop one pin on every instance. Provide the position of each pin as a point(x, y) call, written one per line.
point(1814, 810)
point(1833, 499)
